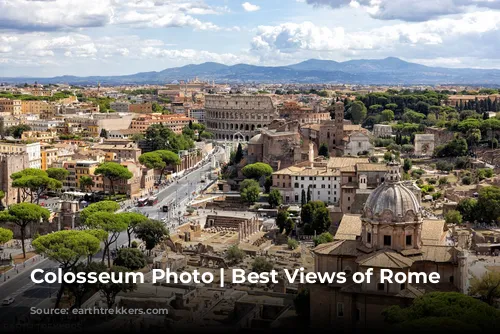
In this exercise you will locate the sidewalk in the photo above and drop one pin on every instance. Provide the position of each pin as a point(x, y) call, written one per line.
point(20, 268)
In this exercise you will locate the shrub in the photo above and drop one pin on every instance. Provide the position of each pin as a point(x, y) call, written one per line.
point(466, 180)
point(432, 181)
point(292, 244)
point(443, 180)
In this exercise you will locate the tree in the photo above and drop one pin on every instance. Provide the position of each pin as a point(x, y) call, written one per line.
point(308, 212)
point(257, 170)
point(113, 172)
point(109, 222)
point(308, 194)
point(323, 150)
point(488, 203)
point(111, 290)
point(79, 290)
point(358, 112)
point(239, 154)
point(22, 215)
point(456, 310)
point(17, 131)
point(160, 137)
point(59, 174)
point(292, 244)
point(66, 248)
point(5, 235)
point(407, 164)
point(321, 221)
point(103, 134)
point(2, 196)
point(130, 258)
point(323, 238)
point(268, 184)
point(284, 222)
point(387, 115)
point(275, 198)
point(33, 183)
point(132, 219)
point(151, 232)
point(303, 199)
point(235, 255)
point(261, 265)
point(453, 217)
point(250, 194)
point(160, 160)
point(103, 206)
point(487, 287)
point(86, 183)
point(247, 183)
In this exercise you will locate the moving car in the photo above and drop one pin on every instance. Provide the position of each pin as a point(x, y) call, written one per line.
point(8, 301)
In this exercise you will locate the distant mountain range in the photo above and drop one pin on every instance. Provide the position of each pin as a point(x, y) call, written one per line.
point(364, 71)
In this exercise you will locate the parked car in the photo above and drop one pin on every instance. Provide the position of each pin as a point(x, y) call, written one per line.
point(8, 301)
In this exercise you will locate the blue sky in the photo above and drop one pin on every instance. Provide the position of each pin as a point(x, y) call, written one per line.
point(113, 37)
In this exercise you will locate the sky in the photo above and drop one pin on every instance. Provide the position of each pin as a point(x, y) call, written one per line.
point(48, 38)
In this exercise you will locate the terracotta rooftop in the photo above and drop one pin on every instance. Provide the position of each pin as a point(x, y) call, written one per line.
point(349, 228)
point(385, 259)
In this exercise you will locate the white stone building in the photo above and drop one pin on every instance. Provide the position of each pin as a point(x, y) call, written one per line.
point(33, 150)
point(357, 143)
point(382, 130)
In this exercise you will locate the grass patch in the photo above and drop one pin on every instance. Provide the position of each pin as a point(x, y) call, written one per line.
point(18, 259)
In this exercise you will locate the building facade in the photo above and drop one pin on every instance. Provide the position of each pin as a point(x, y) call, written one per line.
point(11, 163)
point(33, 150)
point(391, 234)
point(234, 117)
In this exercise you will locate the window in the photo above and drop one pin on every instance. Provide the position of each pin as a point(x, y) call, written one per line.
point(387, 240)
point(318, 192)
point(310, 178)
point(348, 199)
point(350, 179)
point(359, 144)
point(369, 237)
point(402, 286)
point(408, 240)
point(380, 286)
point(296, 185)
point(340, 310)
point(302, 178)
point(296, 198)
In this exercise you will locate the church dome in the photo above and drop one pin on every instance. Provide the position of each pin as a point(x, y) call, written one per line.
point(392, 201)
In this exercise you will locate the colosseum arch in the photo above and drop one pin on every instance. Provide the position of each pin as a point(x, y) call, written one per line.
point(238, 136)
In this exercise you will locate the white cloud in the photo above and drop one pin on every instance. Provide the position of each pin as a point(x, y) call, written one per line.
point(49, 15)
point(292, 37)
point(409, 10)
point(247, 6)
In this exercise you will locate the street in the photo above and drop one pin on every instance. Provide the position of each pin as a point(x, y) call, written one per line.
point(28, 294)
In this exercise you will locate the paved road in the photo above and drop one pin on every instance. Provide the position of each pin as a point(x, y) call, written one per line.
point(28, 294)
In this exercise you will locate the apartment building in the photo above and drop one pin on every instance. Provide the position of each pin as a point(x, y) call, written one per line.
point(40, 136)
point(39, 108)
point(13, 107)
point(119, 150)
point(322, 177)
point(44, 125)
point(175, 122)
point(198, 113)
point(76, 170)
point(120, 106)
point(49, 156)
point(33, 151)
point(141, 108)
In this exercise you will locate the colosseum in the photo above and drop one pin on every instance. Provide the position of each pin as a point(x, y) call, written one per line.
point(235, 117)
